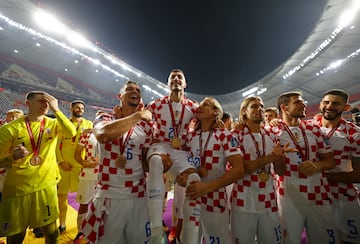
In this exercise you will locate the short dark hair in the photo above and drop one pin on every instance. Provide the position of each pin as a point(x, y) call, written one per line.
point(123, 88)
point(176, 71)
point(273, 109)
point(338, 92)
point(355, 110)
point(285, 97)
point(226, 116)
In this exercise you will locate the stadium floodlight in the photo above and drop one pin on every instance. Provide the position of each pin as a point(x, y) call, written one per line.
point(336, 64)
point(49, 22)
point(348, 16)
point(261, 91)
point(250, 91)
point(78, 39)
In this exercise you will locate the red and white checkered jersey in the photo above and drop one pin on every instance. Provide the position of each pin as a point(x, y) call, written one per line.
point(164, 130)
point(221, 145)
point(130, 182)
point(90, 144)
point(345, 143)
point(250, 193)
point(293, 184)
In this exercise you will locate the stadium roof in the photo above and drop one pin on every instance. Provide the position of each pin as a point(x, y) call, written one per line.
point(327, 59)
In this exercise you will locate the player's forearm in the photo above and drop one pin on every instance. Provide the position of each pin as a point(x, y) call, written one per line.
point(66, 127)
point(107, 132)
point(326, 162)
point(252, 165)
point(344, 177)
point(231, 176)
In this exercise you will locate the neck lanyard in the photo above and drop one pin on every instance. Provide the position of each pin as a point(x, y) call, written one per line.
point(177, 126)
point(202, 150)
point(123, 143)
point(305, 156)
point(256, 144)
point(331, 132)
point(35, 147)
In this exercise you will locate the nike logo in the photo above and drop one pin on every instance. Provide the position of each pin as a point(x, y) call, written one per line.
point(154, 196)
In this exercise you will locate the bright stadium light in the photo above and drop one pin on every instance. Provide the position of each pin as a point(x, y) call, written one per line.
point(49, 22)
point(250, 91)
point(348, 16)
point(78, 39)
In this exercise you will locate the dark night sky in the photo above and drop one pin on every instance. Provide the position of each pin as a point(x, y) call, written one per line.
point(222, 46)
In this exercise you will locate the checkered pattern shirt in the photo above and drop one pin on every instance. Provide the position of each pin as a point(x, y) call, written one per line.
point(221, 145)
point(164, 131)
point(89, 143)
point(130, 182)
point(250, 193)
point(302, 188)
point(345, 142)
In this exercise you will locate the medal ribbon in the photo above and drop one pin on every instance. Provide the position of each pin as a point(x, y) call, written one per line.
point(77, 128)
point(259, 154)
point(123, 143)
point(202, 152)
point(177, 126)
point(331, 132)
point(256, 144)
point(305, 156)
point(35, 147)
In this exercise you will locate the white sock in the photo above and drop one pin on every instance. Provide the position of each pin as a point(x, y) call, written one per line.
point(191, 223)
point(156, 190)
point(179, 198)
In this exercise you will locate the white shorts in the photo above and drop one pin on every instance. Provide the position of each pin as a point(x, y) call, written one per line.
point(266, 226)
point(86, 190)
point(215, 226)
point(318, 220)
point(347, 219)
point(182, 160)
point(127, 221)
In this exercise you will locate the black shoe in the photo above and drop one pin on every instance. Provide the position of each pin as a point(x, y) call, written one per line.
point(62, 229)
point(38, 233)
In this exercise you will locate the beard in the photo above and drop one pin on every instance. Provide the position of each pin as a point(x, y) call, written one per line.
point(297, 115)
point(334, 115)
point(176, 89)
point(77, 114)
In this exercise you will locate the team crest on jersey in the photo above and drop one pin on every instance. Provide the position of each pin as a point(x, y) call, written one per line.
point(234, 142)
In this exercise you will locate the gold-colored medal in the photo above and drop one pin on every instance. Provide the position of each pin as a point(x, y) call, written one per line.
point(263, 176)
point(35, 160)
point(176, 142)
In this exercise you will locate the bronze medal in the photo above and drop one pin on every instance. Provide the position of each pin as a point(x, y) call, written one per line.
point(35, 160)
point(120, 162)
point(263, 176)
point(176, 142)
